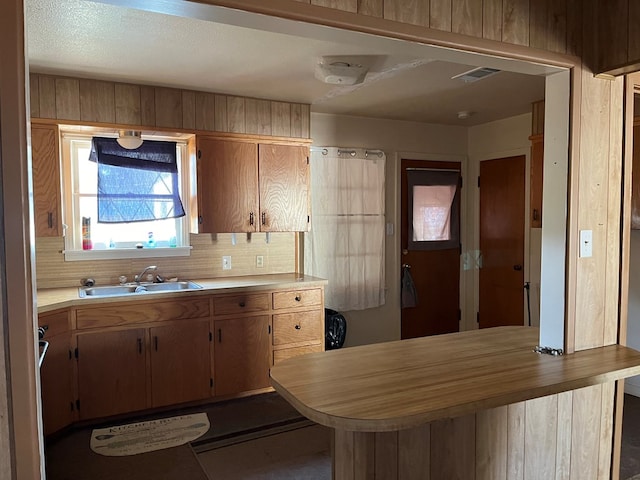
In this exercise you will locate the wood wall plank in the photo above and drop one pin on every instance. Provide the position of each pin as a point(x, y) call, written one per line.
point(585, 435)
point(67, 98)
point(453, 448)
point(305, 117)
point(440, 15)
point(205, 111)
point(491, 444)
point(221, 117)
point(188, 109)
point(414, 457)
point(606, 429)
point(515, 21)
point(34, 95)
point(345, 5)
point(538, 11)
point(148, 105)
point(574, 27)
point(97, 101)
point(563, 444)
point(168, 107)
point(557, 26)
point(47, 94)
point(386, 455)
point(281, 119)
point(540, 437)
point(236, 114)
point(127, 104)
point(343, 448)
point(613, 34)
point(492, 19)
point(373, 8)
point(257, 116)
point(466, 17)
point(415, 12)
point(515, 443)
point(633, 47)
point(364, 455)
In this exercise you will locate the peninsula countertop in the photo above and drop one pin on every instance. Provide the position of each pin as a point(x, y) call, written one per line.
point(55, 298)
point(403, 384)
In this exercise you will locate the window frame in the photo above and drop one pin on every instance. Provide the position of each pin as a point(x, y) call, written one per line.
point(70, 200)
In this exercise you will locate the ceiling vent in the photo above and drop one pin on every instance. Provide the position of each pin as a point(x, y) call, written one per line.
point(476, 74)
point(340, 70)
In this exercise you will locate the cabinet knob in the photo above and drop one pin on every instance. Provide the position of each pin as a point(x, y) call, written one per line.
point(536, 215)
point(50, 219)
point(297, 327)
point(297, 299)
point(241, 304)
point(264, 218)
point(250, 218)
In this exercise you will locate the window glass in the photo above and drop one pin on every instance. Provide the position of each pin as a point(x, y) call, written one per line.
point(432, 212)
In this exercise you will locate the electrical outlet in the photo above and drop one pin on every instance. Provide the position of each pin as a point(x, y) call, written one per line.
point(259, 261)
point(226, 262)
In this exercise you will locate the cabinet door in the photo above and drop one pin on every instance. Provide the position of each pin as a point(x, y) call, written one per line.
point(227, 186)
point(284, 188)
point(111, 372)
point(55, 383)
point(241, 354)
point(180, 362)
point(46, 180)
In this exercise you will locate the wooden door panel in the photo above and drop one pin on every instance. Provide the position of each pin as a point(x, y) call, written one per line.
point(180, 365)
point(227, 186)
point(46, 180)
point(55, 384)
point(284, 188)
point(112, 372)
point(241, 354)
point(502, 202)
point(435, 273)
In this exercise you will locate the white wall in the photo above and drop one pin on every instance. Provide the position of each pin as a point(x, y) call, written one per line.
point(499, 139)
point(397, 139)
point(632, 385)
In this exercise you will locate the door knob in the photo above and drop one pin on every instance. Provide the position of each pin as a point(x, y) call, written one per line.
point(517, 267)
point(405, 251)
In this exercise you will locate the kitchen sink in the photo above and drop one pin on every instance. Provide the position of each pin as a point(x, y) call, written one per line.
point(135, 289)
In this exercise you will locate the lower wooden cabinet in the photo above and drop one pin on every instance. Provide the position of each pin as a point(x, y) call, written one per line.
point(180, 362)
point(56, 384)
point(112, 375)
point(241, 354)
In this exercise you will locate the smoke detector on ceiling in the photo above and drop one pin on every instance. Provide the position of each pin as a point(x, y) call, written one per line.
point(476, 74)
point(340, 70)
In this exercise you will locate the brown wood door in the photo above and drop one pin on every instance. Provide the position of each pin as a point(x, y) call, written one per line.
point(55, 384)
point(227, 186)
point(180, 362)
point(435, 271)
point(284, 188)
point(46, 180)
point(241, 354)
point(502, 211)
point(112, 375)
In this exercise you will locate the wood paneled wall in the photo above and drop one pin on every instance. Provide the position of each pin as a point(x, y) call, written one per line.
point(97, 101)
point(205, 260)
point(618, 36)
point(564, 436)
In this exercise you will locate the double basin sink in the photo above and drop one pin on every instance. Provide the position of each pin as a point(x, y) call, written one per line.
point(136, 289)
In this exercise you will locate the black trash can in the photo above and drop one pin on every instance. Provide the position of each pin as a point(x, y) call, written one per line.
point(335, 329)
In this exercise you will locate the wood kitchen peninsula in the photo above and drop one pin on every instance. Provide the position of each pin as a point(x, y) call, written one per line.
point(470, 405)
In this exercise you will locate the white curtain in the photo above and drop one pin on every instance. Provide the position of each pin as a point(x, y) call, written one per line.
point(346, 241)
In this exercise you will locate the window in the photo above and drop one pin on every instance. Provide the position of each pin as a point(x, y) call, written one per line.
point(157, 238)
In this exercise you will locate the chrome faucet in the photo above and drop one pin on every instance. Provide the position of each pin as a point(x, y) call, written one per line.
point(140, 277)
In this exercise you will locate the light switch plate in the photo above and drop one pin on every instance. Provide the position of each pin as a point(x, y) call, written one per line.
point(259, 261)
point(586, 243)
point(226, 262)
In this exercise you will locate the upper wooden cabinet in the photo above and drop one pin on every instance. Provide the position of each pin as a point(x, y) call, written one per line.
point(46, 180)
point(246, 186)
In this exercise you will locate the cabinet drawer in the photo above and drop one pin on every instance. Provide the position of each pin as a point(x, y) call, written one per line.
point(131, 313)
point(244, 303)
point(297, 298)
point(56, 322)
point(298, 327)
point(280, 355)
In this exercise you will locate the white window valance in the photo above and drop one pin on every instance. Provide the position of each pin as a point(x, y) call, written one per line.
point(346, 241)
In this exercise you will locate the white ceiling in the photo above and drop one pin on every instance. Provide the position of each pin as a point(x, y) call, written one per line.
point(406, 81)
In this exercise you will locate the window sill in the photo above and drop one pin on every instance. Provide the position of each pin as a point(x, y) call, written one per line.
point(118, 253)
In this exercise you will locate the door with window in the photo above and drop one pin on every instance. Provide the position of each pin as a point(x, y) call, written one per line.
point(430, 245)
point(502, 221)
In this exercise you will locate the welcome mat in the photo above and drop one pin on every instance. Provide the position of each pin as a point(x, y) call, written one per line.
point(148, 436)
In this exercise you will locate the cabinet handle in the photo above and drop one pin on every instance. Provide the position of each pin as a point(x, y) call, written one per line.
point(155, 342)
point(297, 327)
point(140, 345)
point(241, 304)
point(219, 335)
point(264, 218)
point(251, 218)
point(50, 219)
point(297, 298)
point(536, 215)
